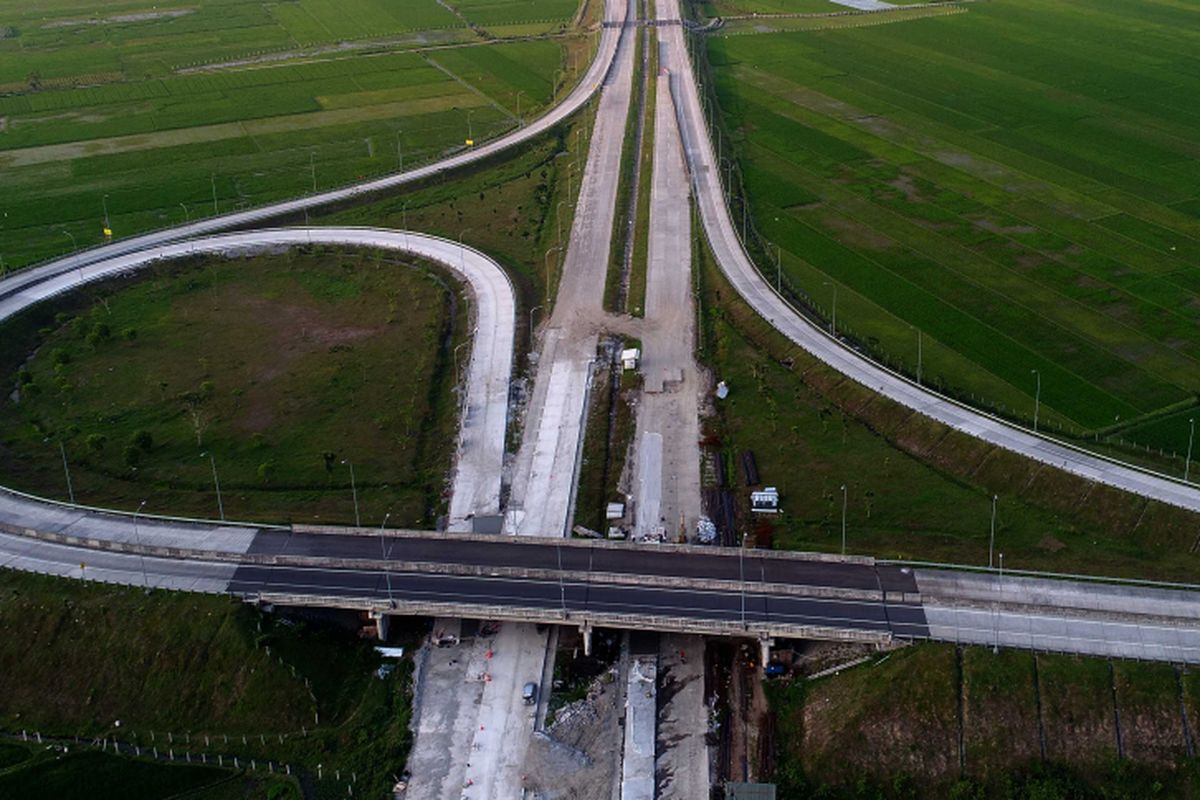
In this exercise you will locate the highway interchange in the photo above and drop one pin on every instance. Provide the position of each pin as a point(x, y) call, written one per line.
point(686, 590)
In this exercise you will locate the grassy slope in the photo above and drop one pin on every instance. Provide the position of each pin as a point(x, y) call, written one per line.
point(890, 729)
point(960, 175)
point(285, 358)
point(915, 489)
point(510, 208)
point(120, 121)
point(195, 665)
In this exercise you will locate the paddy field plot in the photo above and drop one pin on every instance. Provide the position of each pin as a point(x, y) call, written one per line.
point(185, 110)
point(1012, 187)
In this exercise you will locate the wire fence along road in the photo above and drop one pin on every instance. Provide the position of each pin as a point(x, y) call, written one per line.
point(738, 267)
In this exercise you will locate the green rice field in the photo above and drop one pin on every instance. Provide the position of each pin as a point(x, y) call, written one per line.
point(1012, 188)
point(151, 116)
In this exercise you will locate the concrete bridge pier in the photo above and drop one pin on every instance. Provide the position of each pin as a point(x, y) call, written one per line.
point(382, 623)
point(764, 650)
point(585, 630)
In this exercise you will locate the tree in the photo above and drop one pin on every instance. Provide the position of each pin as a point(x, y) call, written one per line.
point(266, 471)
point(142, 440)
point(132, 456)
point(96, 441)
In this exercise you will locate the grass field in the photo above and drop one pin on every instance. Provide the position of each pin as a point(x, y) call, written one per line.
point(1014, 184)
point(121, 113)
point(892, 728)
point(201, 675)
point(281, 367)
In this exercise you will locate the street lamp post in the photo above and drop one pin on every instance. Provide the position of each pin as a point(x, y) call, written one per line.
point(216, 484)
point(186, 216)
point(312, 166)
point(562, 589)
point(1187, 463)
point(470, 130)
point(399, 150)
point(138, 541)
point(104, 202)
point(833, 315)
point(919, 353)
point(535, 308)
point(457, 347)
point(742, 574)
point(520, 122)
point(558, 219)
point(547, 260)
point(213, 179)
point(1037, 399)
point(66, 471)
point(383, 551)
point(992, 538)
point(354, 493)
point(843, 519)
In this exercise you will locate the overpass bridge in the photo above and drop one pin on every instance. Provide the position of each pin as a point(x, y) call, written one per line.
point(759, 594)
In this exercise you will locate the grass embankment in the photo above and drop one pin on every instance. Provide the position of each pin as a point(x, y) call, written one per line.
point(916, 489)
point(627, 183)
point(510, 208)
point(176, 668)
point(185, 111)
point(892, 729)
point(635, 302)
point(981, 178)
point(280, 367)
point(611, 425)
point(56, 775)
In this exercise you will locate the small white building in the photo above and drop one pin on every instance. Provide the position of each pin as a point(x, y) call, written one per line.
point(630, 358)
point(766, 501)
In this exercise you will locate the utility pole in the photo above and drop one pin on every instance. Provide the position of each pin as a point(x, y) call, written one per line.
point(992, 538)
point(354, 493)
point(843, 519)
point(1037, 399)
point(1187, 464)
point(66, 471)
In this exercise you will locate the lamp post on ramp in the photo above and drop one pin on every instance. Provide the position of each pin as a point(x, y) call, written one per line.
point(1187, 463)
point(354, 493)
point(387, 575)
point(1037, 399)
point(137, 539)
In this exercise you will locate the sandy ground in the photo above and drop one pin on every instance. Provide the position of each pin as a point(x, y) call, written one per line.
point(681, 766)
